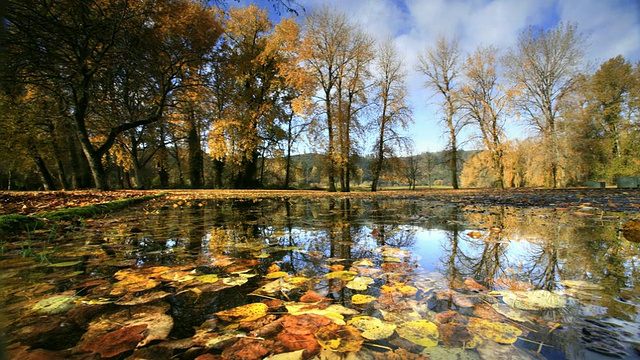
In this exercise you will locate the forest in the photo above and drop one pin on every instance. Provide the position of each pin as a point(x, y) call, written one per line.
point(117, 94)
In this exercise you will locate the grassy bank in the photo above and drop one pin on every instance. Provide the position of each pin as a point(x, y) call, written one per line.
point(14, 223)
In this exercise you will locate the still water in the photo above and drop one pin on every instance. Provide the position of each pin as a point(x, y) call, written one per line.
point(498, 282)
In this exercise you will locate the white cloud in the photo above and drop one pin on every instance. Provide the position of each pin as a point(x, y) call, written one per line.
point(613, 27)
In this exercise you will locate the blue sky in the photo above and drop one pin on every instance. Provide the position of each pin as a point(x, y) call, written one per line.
point(613, 27)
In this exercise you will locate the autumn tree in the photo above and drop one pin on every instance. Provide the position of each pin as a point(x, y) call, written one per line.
point(76, 51)
point(441, 67)
point(543, 69)
point(484, 102)
point(394, 114)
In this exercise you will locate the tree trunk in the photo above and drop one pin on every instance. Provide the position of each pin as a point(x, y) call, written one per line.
point(45, 175)
point(196, 158)
point(219, 168)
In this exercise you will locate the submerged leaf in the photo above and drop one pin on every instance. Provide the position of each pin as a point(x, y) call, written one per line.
point(419, 332)
point(247, 312)
point(65, 264)
point(342, 338)
point(359, 299)
point(372, 328)
point(360, 283)
point(342, 275)
point(498, 332)
point(55, 305)
point(533, 300)
point(276, 275)
point(116, 342)
point(208, 278)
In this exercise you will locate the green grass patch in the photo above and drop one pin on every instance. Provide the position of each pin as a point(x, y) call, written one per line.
point(14, 223)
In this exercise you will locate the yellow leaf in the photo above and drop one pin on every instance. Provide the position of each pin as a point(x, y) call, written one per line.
point(247, 312)
point(342, 338)
point(359, 299)
point(360, 283)
point(420, 332)
point(208, 278)
point(342, 275)
point(372, 328)
point(363, 262)
point(276, 275)
point(498, 332)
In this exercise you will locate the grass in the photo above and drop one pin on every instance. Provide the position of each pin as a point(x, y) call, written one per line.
point(14, 223)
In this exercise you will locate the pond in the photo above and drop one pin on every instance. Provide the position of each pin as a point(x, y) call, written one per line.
point(326, 278)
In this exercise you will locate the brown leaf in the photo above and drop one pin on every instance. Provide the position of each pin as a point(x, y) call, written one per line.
point(487, 312)
point(273, 268)
point(312, 297)
point(116, 342)
point(454, 334)
point(341, 338)
point(248, 349)
point(473, 285)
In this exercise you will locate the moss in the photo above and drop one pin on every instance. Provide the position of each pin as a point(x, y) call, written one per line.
point(14, 223)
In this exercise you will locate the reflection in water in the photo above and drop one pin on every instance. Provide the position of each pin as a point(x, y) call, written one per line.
point(582, 258)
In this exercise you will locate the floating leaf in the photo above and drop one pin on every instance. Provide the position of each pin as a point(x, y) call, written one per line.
point(276, 274)
point(55, 305)
point(533, 300)
point(363, 262)
point(342, 338)
point(395, 253)
point(474, 234)
point(372, 328)
point(247, 312)
point(359, 299)
point(143, 299)
point(235, 281)
point(360, 283)
point(498, 332)
point(342, 275)
point(508, 311)
point(274, 287)
point(399, 289)
point(116, 342)
point(208, 278)
point(65, 264)
point(293, 355)
point(419, 332)
point(333, 312)
point(581, 284)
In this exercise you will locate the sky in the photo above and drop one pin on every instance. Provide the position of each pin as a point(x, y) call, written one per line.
point(612, 27)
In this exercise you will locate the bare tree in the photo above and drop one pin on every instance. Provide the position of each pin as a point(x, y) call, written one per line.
point(441, 67)
point(394, 113)
point(339, 55)
point(544, 67)
point(484, 103)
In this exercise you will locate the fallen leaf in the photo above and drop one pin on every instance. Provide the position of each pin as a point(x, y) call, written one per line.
point(341, 275)
point(372, 328)
point(248, 312)
point(276, 275)
point(341, 338)
point(360, 283)
point(359, 299)
point(419, 332)
point(498, 332)
point(248, 349)
point(116, 342)
point(55, 305)
point(533, 300)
